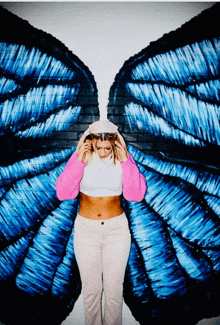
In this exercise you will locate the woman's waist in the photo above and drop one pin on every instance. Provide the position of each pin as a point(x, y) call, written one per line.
point(100, 208)
point(100, 214)
point(102, 199)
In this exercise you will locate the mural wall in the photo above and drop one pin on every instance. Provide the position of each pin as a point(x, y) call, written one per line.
point(165, 100)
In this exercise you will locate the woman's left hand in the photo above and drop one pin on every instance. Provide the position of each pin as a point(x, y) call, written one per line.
point(121, 152)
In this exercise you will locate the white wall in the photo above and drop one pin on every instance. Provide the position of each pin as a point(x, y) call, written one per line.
point(103, 35)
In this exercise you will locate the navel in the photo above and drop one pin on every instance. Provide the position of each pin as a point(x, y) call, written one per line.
point(99, 215)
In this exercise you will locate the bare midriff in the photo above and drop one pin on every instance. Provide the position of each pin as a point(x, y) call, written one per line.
point(100, 208)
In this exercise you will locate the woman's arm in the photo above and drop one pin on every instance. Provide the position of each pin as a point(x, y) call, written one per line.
point(67, 184)
point(133, 182)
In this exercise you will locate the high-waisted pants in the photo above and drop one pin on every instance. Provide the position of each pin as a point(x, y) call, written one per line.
point(102, 248)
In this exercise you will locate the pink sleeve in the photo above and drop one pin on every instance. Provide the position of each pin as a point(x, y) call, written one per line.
point(67, 184)
point(133, 182)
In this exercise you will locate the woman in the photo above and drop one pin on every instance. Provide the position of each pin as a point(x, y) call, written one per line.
point(101, 171)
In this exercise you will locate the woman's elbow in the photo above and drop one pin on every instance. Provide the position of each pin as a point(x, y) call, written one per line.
point(134, 197)
point(65, 193)
point(59, 191)
point(60, 195)
point(138, 198)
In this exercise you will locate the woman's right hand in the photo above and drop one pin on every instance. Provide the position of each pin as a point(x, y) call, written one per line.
point(83, 149)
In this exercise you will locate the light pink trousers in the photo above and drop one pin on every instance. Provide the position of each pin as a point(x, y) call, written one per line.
point(102, 248)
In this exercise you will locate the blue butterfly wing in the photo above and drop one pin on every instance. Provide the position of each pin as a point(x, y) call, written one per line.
point(166, 101)
point(47, 99)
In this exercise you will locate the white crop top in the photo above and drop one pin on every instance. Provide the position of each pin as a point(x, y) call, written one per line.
point(102, 178)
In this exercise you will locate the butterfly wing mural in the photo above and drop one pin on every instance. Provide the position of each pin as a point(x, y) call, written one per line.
point(166, 100)
point(47, 98)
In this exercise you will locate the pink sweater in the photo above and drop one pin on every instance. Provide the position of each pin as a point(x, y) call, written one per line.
point(133, 182)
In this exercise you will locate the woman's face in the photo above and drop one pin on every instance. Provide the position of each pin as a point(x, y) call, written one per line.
point(102, 148)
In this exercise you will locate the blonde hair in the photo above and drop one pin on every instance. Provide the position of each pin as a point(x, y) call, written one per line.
point(111, 137)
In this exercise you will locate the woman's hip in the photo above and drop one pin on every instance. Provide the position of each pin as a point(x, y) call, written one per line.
point(117, 227)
